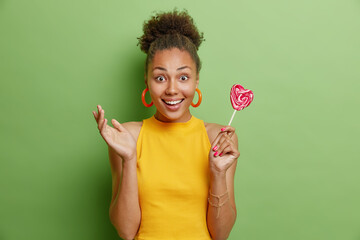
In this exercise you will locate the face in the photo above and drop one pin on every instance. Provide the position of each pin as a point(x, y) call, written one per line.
point(172, 80)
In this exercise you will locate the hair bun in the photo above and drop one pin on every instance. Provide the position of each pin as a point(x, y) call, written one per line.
point(169, 23)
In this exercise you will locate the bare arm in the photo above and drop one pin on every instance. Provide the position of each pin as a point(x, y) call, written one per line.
point(220, 225)
point(124, 208)
point(221, 213)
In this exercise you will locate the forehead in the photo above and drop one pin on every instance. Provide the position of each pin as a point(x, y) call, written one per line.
point(172, 58)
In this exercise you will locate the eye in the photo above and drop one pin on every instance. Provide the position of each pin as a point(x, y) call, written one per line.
point(160, 78)
point(184, 77)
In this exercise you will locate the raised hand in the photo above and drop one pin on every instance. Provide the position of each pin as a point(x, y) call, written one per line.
point(223, 151)
point(116, 137)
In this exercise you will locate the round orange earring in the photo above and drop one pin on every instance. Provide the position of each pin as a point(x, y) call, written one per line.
point(200, 99)
point(143, 98)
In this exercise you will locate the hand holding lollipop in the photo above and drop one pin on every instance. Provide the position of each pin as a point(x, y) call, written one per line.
point(240, 98)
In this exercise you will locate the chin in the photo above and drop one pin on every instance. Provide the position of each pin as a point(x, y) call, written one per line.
point(171, 116)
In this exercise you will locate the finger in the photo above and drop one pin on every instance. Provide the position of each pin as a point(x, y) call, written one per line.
point(118, 126)
point(103, 126)
point(224, 143)
point(99, 112)
point(101, 118)
point(229, 130)
point(222, 139)
point(226, 150)
point(220, 144)
point(215, 144)
point(226, 147)
point(230, 150)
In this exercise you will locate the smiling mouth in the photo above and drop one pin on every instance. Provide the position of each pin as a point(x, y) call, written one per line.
point(172, 103)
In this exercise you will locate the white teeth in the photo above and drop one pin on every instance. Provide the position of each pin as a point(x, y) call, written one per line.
point(173, 102)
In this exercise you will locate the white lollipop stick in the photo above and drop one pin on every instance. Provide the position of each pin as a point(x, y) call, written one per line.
point(232, 117)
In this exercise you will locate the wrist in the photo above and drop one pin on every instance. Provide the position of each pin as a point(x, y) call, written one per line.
point(216, 174)
point(218, 182)
point(129, 162)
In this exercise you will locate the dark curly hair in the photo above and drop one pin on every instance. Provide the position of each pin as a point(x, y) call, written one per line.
point(168, 30)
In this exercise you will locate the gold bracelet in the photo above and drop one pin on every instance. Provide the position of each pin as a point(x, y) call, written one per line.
point(218, 205)
point(218, 196)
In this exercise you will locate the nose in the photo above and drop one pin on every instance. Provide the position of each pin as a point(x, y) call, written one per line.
point(172, 88)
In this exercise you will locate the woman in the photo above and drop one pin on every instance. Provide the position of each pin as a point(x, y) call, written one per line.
point(172, 174)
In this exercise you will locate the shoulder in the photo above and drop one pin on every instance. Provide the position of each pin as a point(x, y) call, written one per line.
point(133, 127)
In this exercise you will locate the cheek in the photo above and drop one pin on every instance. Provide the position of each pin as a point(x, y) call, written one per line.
point(189, 90)
point(155, 91)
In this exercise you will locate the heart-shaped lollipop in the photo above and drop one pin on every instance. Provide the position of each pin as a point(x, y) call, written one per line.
point(240, 98)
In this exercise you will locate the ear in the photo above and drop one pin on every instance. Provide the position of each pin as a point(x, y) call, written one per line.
point(197, 80)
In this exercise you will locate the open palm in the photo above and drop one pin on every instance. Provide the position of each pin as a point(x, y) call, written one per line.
point(116, 137)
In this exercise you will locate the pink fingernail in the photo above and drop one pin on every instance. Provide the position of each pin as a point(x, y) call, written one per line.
point(215, 148)
point(215, 154)
point(221, 154)
point(223, 129)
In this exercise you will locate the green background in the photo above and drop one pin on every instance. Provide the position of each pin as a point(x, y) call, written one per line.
point(298, 173)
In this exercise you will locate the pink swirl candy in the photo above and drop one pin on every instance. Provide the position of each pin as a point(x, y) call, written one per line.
point(240, 97)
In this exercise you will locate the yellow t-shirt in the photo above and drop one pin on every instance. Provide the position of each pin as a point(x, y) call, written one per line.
point(173, 180)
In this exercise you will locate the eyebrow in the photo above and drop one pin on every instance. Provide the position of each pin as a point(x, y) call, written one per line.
point(164, 69)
